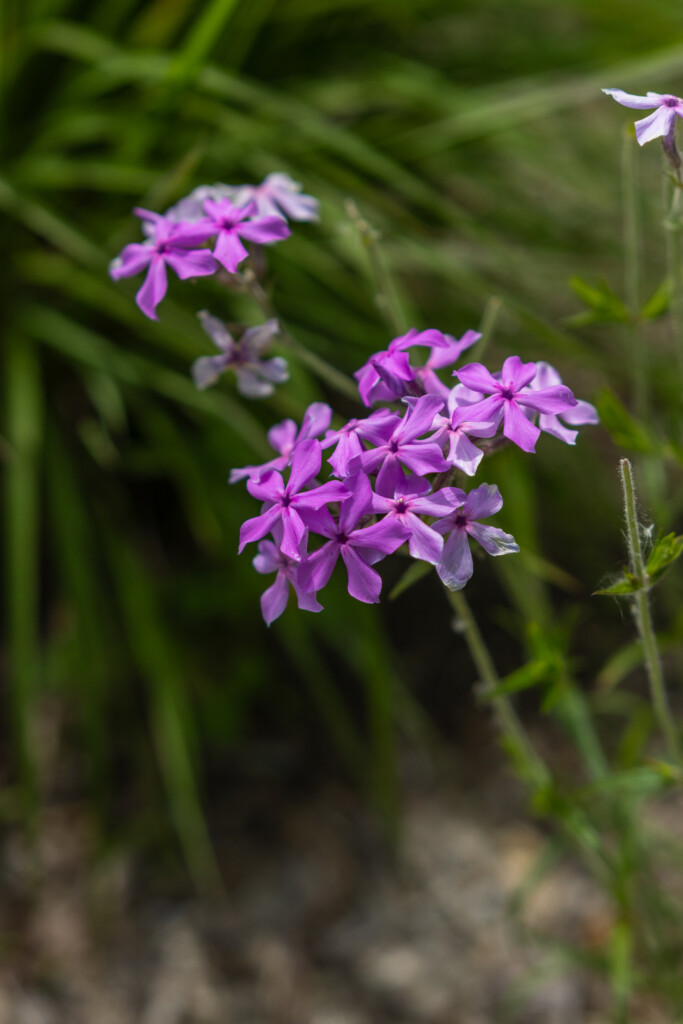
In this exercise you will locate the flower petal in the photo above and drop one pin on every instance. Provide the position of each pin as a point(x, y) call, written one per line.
point(627, 99)
point(229, 251)
point(455, 567)
point(274, 599)
point(493, 540)
point(265, 230)
point(153, 288)
point(365, 584)
point(517, 428)
point(655, 125)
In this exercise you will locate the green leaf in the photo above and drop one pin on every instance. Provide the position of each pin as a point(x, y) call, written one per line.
point(664, 553)
point(604, 305)
point(625, 429)
point(628, 584)
point(659, 301)
point(524, 678)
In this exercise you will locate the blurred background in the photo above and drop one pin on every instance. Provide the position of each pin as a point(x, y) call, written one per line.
point(160, 746)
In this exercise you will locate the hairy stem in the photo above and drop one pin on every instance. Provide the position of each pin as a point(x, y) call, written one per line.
point(643, 617)
point(386, 297)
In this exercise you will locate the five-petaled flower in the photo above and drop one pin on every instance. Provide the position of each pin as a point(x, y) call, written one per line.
point(256, 377)
point(455, 566)
point(169, 243)
point(661, 123)
point(511, 396)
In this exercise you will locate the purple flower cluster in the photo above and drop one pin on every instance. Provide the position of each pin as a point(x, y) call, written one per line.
point(226, 215)
point(393, 470)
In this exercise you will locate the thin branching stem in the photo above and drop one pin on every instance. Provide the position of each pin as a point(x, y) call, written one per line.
point(643, 617)
point(527, 760)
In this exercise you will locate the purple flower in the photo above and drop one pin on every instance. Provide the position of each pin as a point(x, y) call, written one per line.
point(403, 448)
point(284, 437)
point(510, 396)
point(359, 547)
point(453, 429)
point(441, 357)
point(274, 600)
point(376, 428)
point(410, 501)
point(278, 196)
point(232, 223)
point(582, 412)
point(255, 376)
point(288, 504)
point(661, 122)
point(455, 566)
point(169, 243)
point(387, 375)
point(191, 207)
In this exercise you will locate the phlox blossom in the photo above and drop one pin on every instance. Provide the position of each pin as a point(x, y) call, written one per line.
point(455, 565)
point(661, 123)
point(256, 377)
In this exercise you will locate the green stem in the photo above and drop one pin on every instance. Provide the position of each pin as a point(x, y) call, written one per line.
point(324, 370)
point(673, 224)
point(643, 617)
point(527, 760)
point(386, 297)
point(631, 231)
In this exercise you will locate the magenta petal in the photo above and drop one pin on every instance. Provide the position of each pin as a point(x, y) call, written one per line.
point(153, 288)
point(463, 454)
point(517, 428)
point(274, 599)
point(483, 501)
point(282, 436)
point(455, 567)
point(316, 420)
point(193, 263)
point(268, 558)
point(384, 537)
point(478, 378)
point(132, 260)
point(334, 490)
point(267, 486)
point(365, 584)
point(552, 425)
point(419, 418)
point(264, 230)
point(516, 374)
point(293, 533)
point(422, 458)
point(258, 527)
point(554, 399)
point(229, 251)
point(306, 461)
point(389, 476)
point(424, 543)
point(358, 504)
point(441, 503)
point(315, 572)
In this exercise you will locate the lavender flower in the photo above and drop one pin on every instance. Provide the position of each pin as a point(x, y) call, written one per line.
point(455, 566)
point(359, 547)
point(411, 500)
point(278, 195)
point(386, 375)
point(169, 243)
point(284, 438)
point(376, 428)
point(453, 429)
point(231, 224)
point(288, 504)
point(582, 412)
point(274, 600)
point(661, 123)
point(256, 377)
point(404, 448)
point(510, 396)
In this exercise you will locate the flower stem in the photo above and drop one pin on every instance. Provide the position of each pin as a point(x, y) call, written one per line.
point(529, 764)
point(643, 617)
point(673, 223)
point(324, 370)
point(631, 230)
